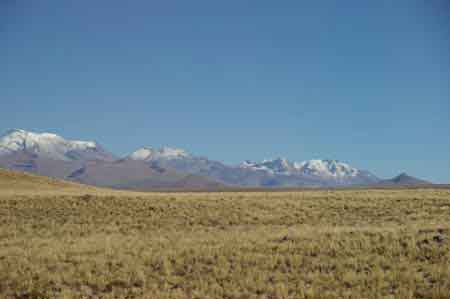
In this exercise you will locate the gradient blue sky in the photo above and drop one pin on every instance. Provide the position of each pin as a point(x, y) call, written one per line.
point(367, 82)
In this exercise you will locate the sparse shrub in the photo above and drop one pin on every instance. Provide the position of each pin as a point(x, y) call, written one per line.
point(311, 244)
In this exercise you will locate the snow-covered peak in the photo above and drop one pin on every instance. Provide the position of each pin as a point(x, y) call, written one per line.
point(328, 168)
point(321, 168)
point(141, 154)
point(152, 154)
point(274, 166)
point(278, 165)
point(247, 164)
point(45, 144)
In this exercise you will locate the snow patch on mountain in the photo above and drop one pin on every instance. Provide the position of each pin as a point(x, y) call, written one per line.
point(152, 154)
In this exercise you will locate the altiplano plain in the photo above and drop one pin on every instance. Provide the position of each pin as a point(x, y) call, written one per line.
point(62, 240)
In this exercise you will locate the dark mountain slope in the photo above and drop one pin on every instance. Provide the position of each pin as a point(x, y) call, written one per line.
point(403, 179)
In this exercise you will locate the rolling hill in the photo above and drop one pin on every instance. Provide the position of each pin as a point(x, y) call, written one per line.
point(404, 179)
point(22, 181)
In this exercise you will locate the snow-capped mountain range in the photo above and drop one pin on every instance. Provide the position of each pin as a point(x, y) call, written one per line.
point(278, 166)
point(87, 161)
point(276, 172)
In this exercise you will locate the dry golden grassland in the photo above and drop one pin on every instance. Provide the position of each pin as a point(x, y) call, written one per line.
point(76, 242)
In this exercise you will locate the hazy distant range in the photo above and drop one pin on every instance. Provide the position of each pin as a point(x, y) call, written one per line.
point(170, 168)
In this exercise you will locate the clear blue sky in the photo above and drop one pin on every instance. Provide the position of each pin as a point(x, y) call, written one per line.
point(367, 82)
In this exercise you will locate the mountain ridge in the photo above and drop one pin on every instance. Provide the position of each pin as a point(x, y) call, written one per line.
point(404, 179)
point(148, 167)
